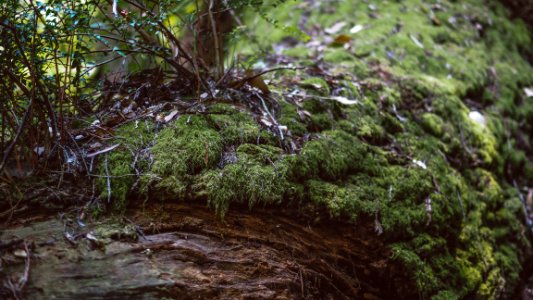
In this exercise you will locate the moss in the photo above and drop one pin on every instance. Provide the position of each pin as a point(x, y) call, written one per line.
point(237, 127)
point(290, 117)
point(445, 295)
point(185, 148)
point(118, 164)
point(425, 68)
point(340, 57)
point(424, 278)
point(433, 124)
point(332, 155)
point(258, 177)
point(351, 200)
point(297, 52)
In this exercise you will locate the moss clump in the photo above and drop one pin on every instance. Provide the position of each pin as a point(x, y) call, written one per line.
point(258, 176)
point(117, 168)
point(290, 117)
point(237, 127)
point(433, 124)
point(184, 149)
point(333, 155)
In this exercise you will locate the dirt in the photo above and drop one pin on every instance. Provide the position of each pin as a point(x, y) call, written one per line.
point(183, 251)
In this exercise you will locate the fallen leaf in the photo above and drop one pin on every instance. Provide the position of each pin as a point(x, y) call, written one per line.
point(356, 28)
point(344, 100)
point(477, 117)
point(303, 114)
point(265, 122)
point(529, 92)
point(258, 82)
point(435, 20)
point(335, 28)
point(341, 40)
point(20, 253)
point(170, 116)
point(416, 41)
point(420, 164)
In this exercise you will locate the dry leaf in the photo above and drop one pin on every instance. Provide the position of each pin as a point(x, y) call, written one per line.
point(20, 253)
point(170, 116)
point(416, 41)
point(341, 40)
point(335, 28)
point(356, 28)
point(265, 122)
point(420, 164)
point(529, 92)
point(257, 82)
point(344, 100)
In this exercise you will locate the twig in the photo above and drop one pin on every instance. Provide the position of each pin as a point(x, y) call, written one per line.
point(245, 79)
point(108, 180)
point(16, 288)
point(218, 63)
point(529, 223)
point(17, 135)
point(22, 281)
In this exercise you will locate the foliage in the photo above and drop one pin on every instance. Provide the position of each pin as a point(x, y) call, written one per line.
point(54, 52)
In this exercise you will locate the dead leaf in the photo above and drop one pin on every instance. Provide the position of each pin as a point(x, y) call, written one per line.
point(340, 40)
point(356, 28)
point(435, 20)
point(344, 100)
point(337, 27)
point(303, 114)
point(416, 41)
point(265, 122)
point(20, 253)
point(258, 82)
point(529, 92)
point(170, 116)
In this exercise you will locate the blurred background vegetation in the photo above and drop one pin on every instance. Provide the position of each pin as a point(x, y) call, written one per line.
point(57, 56)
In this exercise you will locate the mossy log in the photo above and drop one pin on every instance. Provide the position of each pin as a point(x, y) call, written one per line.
point(434, 153)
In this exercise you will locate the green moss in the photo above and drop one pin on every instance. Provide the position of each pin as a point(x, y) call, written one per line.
point(257, 177)
point(289, 117)
point(433, 124)
point(332, 155)
point(297, 52)
point(417, 72)
point(237, 127)
point(340, 57)
point(116, 168)
point(183, 149)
